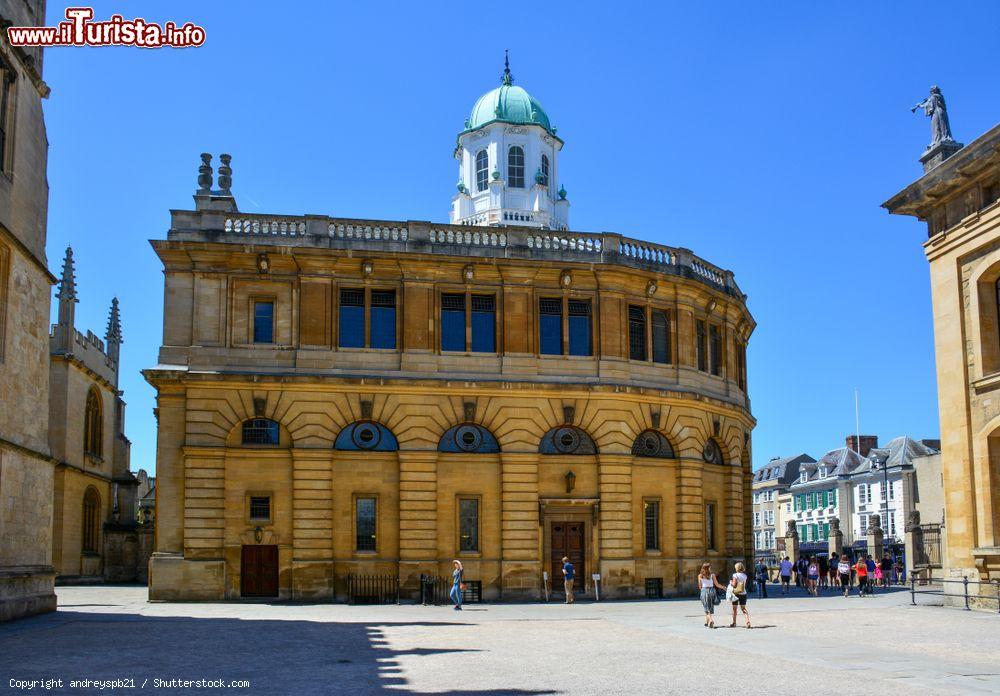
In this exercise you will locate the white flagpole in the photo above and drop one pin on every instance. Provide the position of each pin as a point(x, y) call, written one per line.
point(857, 421)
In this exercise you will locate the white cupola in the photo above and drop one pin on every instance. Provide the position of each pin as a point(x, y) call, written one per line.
point(508, 163)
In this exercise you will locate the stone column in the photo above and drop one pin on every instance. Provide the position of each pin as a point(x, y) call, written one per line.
point(312, 524)
point(836, 540)
point(418, 552)
point(792, 541)
point(913, 543)
point(614, 476)
point(520, 539)
point(875, 535)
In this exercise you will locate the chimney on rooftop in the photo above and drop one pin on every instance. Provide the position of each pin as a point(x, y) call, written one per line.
point(868, 443)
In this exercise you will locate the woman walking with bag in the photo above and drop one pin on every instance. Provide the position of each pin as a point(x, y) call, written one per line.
point(709, 586)
point(737, 593)
point(456, 587)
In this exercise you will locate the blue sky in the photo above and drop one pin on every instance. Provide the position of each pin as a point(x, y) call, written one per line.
point(764, 136)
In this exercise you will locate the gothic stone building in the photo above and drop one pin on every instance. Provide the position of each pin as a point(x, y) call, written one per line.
point(26, 467)
point(339, 397)
point(959, 198)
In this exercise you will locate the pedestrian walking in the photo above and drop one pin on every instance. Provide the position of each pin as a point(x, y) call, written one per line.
point(760, 573)
point(812, 577)
point(800, 571)
point(824, 568)
point(844, 573)
point(568, 577)
point(885, 566)
point(710, 587)
point(736, 593)
point(456, 584)
point(861, 569)
point(870, 564)
point(785, 571)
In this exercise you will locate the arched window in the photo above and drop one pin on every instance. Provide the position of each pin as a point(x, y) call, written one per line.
point(652, 443)
point(468, 437)
point(482, 170)
point(261, 431)
point(515, 167)
point(712, 452)
point(567, 439)
point(545, 170)
point(92, 425)
point(366, 435)
point(91, 520)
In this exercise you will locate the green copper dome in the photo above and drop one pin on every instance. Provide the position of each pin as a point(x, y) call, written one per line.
point(508, 103)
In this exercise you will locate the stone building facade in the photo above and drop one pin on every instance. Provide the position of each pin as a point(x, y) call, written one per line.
point(769, 483)
point(26, 466)
point(959, 198)
point(96, 534)
point(355, 397)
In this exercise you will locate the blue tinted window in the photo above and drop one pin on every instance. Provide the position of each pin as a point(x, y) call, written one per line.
point(263, 322)
point(550, 326)
point(484, 324)
point(365, 524)
point(453, 322)
point(579, 328)
point(352, 318)
point(383, 319)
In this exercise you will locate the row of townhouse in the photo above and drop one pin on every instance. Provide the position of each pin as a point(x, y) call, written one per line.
point(846, 486)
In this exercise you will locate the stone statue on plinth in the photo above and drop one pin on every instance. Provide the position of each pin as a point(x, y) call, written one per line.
point(934, 107)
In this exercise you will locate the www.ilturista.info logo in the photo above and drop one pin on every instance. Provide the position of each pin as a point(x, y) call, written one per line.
point(80, 30)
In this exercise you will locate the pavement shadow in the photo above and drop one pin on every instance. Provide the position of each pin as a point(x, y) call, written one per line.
point(274, 656)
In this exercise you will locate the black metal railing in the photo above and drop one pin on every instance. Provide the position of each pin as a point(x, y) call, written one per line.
point(990, 596)
point(372, 589)
point(434, 589)
point(654, 588)
point(473, 592)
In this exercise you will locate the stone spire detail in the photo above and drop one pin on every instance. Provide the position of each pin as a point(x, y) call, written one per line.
point(113, 335)
point(67, 301)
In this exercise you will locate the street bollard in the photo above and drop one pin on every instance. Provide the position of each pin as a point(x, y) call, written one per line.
point(913, 590)
point(965, 587)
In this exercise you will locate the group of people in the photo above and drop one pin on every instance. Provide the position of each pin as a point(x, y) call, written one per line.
point(817, 572)
point(735, 593)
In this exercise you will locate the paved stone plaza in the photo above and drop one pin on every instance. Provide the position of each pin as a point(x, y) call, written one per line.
point(826, 645)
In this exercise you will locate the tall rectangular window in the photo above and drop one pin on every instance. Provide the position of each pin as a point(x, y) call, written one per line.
point(515, 167)
point(715, 349)
point(651, 508)
point(263, 322)
point(550, 326)
point(260, 508)
point(453, 322)
point(365, 524)
point(661, 337)
point(710, 525)
point(636, 333)
point(484, 324)
point(701, 347)
point(468, 524)
point(383, 319)
point(352, 318)
point(580, 329)
point(741, 365)
point(6, 117)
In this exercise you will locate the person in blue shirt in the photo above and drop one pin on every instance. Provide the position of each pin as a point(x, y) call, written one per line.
point(870, 564)
point(456, 586)
point(568, 578)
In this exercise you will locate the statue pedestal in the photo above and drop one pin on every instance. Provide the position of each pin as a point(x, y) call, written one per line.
point(836, 544)
point(936, 154)
point(875, 547)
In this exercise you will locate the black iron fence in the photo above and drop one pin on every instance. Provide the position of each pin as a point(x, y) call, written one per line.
point(373, 589)
point(654, 588)
point(988, 591)
point(437, 590)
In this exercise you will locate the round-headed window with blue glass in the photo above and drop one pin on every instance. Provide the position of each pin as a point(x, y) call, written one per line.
point(366, 435)
point(468, 437)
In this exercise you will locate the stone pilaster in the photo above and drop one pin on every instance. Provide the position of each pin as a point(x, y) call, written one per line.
point(792, 542)
point(835, 542)
point(875, 546)
point(312, 524)
point(614, 473)
point(521, 568)
point(690, 522)
point(204, 503)
point(418, 531)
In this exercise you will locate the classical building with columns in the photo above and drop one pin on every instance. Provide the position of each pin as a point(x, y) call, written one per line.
point(958, 197)
point(343, 398)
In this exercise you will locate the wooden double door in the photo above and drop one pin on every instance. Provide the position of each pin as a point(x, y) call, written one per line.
point(568, 539)
point(259, 571)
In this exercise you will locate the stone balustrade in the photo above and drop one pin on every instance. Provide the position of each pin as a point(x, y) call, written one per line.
point(472, 240)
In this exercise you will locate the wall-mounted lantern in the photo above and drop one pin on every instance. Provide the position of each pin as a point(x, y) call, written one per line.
point(570, 481)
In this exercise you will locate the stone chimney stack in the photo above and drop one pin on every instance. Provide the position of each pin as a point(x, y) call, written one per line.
point(868, 443)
